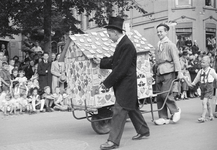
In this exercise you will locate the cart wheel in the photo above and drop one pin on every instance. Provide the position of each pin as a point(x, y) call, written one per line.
point(100, 127)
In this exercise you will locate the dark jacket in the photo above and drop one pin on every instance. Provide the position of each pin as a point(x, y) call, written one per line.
point(29, 72)
point(123, 77)
point(45, 79)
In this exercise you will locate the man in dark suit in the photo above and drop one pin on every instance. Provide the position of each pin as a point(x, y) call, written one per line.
point(44, 72)
point(123, 79)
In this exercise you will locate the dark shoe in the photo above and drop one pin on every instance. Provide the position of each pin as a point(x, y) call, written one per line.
point(108, 145)
point(41, 111)
point(48, 110)
point(140, 136)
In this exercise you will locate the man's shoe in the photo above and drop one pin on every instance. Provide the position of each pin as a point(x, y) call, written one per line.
point(162, 121)
point(140, 136)
point(177, 116)
point(108, 145)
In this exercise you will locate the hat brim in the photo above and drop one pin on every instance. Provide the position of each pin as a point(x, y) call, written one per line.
point(113, 27)
point(163, 25)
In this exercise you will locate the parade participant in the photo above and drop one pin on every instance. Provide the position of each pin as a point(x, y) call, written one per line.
point(44, 72)
point(168, 68)
point(206, 76)
point(123, 79)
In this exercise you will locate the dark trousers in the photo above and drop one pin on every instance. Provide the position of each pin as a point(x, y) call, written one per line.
point(119, 119)
point(163, 83)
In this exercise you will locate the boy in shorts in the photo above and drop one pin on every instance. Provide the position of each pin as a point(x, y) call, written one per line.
point(205, 76)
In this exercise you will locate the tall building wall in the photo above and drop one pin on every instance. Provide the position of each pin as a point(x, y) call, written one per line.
point(196, 19)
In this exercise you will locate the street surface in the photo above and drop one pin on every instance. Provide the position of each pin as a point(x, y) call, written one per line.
point(60, 131)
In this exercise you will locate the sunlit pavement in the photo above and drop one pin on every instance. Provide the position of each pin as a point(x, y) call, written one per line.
point(60, 131)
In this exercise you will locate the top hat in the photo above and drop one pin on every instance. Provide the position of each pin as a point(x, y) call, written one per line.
point(115, 23)
point(164, 25)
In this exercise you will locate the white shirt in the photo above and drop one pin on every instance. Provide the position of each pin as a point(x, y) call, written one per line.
point(37, 49)
point(210, 75)
point(120, 38)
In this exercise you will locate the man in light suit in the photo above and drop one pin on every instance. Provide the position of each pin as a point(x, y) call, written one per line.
point(57, 70)
point(123, 79)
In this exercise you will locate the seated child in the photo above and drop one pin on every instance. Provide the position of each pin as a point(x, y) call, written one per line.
point(7, 105)
point(35, 101)
point(205, 76)
point(48, 97)
point(17, 102)
point(59, 100)
point(24, 103)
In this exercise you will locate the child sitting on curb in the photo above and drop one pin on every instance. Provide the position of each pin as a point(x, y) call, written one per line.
point(35, 101)
point(7, 105)
point(59, 100)
point(49, 99)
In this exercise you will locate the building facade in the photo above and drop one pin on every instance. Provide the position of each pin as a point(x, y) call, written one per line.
point(194, 19)
point(13, 45)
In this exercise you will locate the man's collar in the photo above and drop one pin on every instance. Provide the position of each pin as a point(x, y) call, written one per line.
point(120, 38)
point(164, 40)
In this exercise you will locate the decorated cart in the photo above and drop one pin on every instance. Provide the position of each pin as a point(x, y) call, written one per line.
point(84, 76)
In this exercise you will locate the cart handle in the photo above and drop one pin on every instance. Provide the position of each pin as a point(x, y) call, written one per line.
point(155, 95)
point(88, 113)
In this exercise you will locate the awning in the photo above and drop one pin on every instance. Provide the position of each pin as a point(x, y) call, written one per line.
point(184, 27)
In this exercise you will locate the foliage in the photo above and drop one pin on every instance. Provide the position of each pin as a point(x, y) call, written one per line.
point(28, 15)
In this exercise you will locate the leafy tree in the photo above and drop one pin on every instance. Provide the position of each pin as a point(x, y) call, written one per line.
point(41, 17)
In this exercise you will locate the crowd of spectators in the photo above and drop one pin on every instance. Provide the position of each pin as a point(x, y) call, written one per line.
point(37, 83)
point(32, 85)
point(190, 59)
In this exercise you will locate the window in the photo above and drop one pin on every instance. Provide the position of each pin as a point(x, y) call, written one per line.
point(210, 3)
point(183, 3)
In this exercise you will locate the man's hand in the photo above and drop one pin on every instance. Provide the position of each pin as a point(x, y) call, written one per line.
point(102, 86)
point(180, 75)
point(96, 60)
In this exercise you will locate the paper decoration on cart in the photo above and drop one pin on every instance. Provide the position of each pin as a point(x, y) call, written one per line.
point(84, 76)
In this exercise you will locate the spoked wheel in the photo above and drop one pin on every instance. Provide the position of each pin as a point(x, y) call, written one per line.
point(100, 127)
